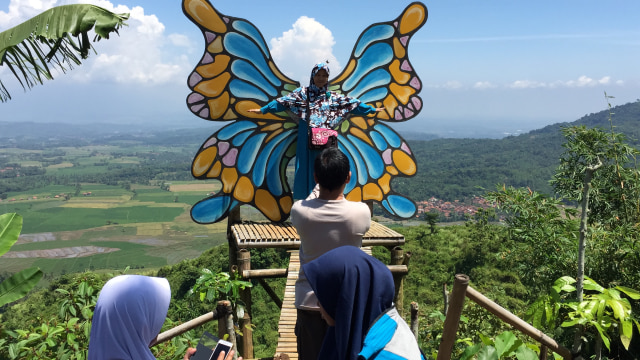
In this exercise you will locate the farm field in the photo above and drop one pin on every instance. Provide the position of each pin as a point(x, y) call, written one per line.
point(79, 219)
point(112, 228)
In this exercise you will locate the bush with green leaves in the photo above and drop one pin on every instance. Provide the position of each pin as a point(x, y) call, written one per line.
point(504, 346)
point(66, 334)
point(603, 313)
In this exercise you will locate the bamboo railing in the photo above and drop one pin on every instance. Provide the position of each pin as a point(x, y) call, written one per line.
point(461, 289)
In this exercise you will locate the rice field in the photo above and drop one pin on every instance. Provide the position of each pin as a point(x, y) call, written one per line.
point(142, 227)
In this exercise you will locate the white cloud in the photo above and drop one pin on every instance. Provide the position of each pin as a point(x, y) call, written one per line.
point(452, 85)
point(484, 85)
point(308, 42)
point(180, 40)
point(583, 81)
point(526, 84)
point(21, 10)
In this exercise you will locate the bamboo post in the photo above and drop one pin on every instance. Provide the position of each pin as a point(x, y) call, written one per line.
point(244, 264)
point(451, 322)
point(224, 320)
point(543, 352)
point(414, 319)
point(233, 218)
point(397, 258)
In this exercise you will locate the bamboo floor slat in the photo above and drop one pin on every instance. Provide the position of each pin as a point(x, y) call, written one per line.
point(249, 234)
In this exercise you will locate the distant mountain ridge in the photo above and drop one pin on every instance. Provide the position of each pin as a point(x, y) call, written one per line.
point(459, 168)
point(448, 168)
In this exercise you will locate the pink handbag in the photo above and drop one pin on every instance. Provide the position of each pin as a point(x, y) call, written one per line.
point(320, 138)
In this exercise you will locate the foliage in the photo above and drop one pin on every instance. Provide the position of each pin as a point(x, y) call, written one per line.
point(214, 287)
point(615, 190)
point(65, 336)
point(18, 285)
point(505, 346)
point(602, 312)
point(542, 233)
point(45, 42)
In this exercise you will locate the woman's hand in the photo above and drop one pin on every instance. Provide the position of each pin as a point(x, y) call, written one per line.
point(380, 109)
point(189, 353)
point(254, 111)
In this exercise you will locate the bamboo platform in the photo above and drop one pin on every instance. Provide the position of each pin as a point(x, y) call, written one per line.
point(288, 315)
point(251, 235)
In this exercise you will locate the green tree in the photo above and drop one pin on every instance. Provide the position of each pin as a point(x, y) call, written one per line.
point(56, 39)
point(542, 232)
point(598, 169)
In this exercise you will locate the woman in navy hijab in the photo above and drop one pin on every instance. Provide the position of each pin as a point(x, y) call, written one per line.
point(355, 293)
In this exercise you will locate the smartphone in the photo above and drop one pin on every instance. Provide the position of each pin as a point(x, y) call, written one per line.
point(222, 345)
point(209, 347)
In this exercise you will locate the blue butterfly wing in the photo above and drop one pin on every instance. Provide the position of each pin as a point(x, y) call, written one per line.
point(377, 155)
point(249, 159)
point(236, 72)
point(379, 73)
point(249, 156)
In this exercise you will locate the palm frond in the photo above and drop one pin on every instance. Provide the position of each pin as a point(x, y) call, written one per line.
point(55, 39)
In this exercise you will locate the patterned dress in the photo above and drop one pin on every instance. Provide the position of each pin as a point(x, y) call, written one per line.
point(327, 109)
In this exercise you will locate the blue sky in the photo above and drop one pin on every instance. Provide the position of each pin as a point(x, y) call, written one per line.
point(488, 67)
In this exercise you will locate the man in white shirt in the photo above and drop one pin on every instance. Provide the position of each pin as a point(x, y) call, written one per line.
point(324, 221)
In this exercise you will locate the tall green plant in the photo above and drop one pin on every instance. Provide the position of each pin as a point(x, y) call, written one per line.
point(65, 336)
point(594, 170)
point(18, 285)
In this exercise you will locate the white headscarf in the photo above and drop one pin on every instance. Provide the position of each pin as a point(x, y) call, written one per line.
point(129, 314)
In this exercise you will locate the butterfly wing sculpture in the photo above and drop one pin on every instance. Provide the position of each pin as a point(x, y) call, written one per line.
point(250, 155)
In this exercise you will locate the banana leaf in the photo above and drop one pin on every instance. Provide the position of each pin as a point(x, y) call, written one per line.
point(10, 226)
point(19, 285)
point(55, 39)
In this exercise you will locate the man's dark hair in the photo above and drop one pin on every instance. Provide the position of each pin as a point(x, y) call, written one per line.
point(331, 168)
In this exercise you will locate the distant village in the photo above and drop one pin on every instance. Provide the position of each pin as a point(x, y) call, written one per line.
point(453, 210)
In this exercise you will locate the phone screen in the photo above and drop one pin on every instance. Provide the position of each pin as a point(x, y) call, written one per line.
point(222, 346)
point(209, 347)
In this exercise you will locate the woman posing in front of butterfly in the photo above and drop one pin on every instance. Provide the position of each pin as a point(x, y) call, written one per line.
point(326, 109)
